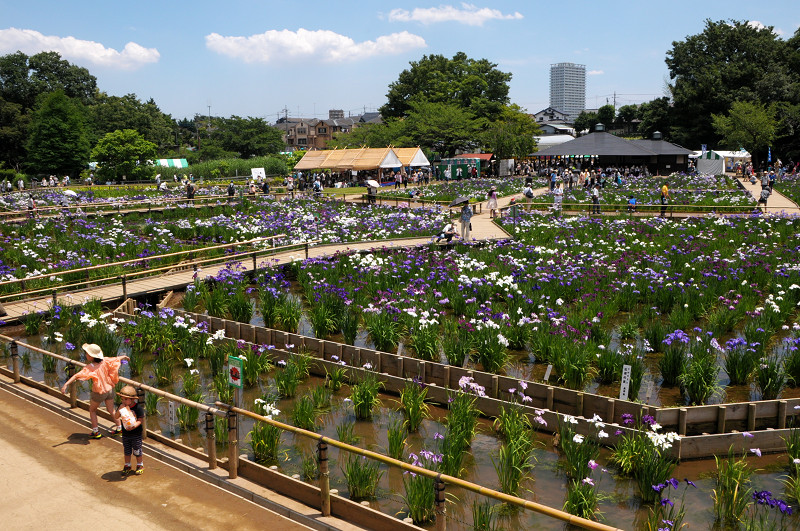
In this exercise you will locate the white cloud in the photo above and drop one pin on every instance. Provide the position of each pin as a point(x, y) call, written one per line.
point(275, 45)
point(468, 14)
point(760, 26)
point(32, 42)
point(595, 73)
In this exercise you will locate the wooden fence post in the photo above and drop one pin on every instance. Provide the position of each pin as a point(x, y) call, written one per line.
point(549, 399)
point(15, 360)
point(782, 414)
point(751, 416)
point(721, 412)
point(682, 412)
point(140, 399)
point(233, 446)
point(211, 441)
point(440, 520)
point(324, 478)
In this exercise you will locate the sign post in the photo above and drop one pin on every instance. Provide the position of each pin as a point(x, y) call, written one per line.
point(626, 382)
point(171, 415)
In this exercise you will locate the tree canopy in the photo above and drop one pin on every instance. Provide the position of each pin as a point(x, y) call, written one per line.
point(124, 153)
point(475, 85)
point(249, 136)
point(729, 61)
point(58, 143)
point(23, 79)
point(748, 125)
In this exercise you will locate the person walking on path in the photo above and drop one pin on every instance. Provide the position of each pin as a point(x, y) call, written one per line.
point(466, 223)
point(558, 196)
point(596, 198)
point(104, 374)
point(762, 199)
point(528, 193)
point(130, 413)
point(491, 204)
point(664, 199)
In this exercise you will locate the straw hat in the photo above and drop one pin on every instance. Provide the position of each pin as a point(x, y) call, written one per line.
point(127, 392)
point(493, 188)
point(93, 350)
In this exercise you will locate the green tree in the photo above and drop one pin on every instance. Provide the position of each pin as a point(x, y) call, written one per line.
point(606, 114)
point(58, 142)
point(511, 135)
point(729, 61)
point(656, 116)
point(475, 85)
point(23, 79)
point(13, 133)
point(585, 122)
point(112, 113)
point(124, 153)
point(391, 133)
point(249, 137)
point(443, 127)
point(626, 115)
point(748, 125)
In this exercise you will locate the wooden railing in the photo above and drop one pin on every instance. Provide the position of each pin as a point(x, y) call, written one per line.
point(231, 412)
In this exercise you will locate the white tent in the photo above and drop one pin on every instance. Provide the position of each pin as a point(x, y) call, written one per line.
point(710, 163)
point(729, 159)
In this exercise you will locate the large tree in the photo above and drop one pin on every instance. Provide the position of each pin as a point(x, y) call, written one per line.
point(511, 135)
point(656, 116)
point(13, 133)
point(443, 127)
point(373, 135)
point(729, 61)
point(748, 125)
point(475, 85)
point(585, 122)
point(23, 79)
point(58, 142)
point(111, 113)
point(124, 153)
point(249, 136)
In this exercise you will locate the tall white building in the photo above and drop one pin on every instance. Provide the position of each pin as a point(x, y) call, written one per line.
point(568, 88)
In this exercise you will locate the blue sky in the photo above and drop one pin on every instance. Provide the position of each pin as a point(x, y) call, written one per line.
point(252, 58)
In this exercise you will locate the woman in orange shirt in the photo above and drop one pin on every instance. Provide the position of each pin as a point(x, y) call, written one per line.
point(104, 374)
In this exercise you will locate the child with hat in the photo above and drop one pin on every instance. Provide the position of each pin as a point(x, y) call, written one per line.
point(131, 413)
point(104, 374)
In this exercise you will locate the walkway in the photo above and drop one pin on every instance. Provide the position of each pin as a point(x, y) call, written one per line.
point(53, 477)
point(777, 202)
point(483, 228)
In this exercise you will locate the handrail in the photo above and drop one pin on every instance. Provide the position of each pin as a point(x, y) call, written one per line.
point(156, 391)
point(500, 496)
point(222, 409)
point(226, 258)
point(139, 260)
point(107, 202)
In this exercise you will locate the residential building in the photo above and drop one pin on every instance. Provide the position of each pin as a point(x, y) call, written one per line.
point(313, 133)
point(568, 88)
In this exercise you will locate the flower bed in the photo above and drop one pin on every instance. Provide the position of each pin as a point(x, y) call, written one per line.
point(475, 189)
point(52, 245)
point(508, 455)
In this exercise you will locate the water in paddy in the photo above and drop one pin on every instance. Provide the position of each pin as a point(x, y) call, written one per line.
point(619, 505)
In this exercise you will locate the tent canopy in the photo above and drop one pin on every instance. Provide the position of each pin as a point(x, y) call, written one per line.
point(361, 159)
point(171, 163)
point(413, 157)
